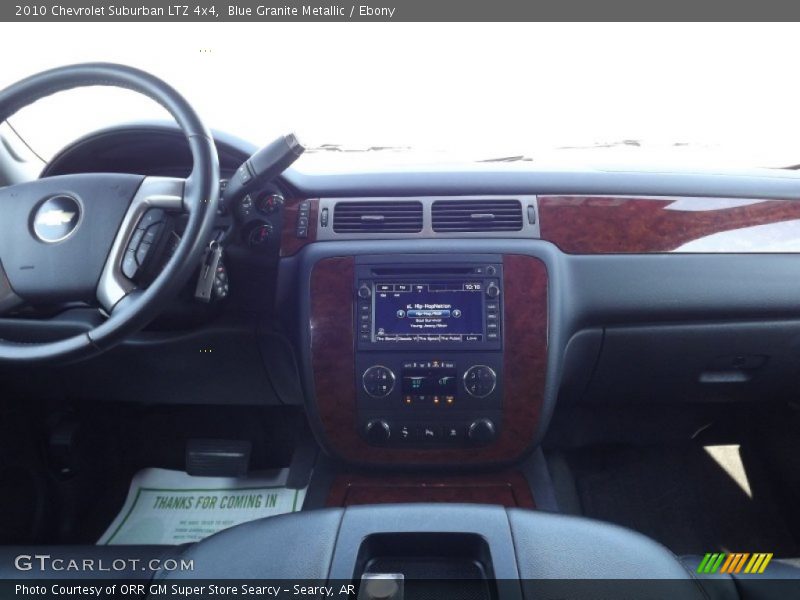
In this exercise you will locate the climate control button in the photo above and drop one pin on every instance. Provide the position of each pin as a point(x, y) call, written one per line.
point(377, 431)
point(378, 381)
point(482, 432)
point(480, 381)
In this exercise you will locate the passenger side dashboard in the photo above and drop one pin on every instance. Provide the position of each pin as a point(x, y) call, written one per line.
point(579, 269)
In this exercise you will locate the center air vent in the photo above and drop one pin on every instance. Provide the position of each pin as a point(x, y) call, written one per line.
point(477, 215)
point(377, 217)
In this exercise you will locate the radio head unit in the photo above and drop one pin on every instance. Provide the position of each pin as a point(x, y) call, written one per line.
point(433, 306)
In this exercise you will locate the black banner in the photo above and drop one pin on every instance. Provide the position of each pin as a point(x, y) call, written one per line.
point(397, 10)
point(410, 589)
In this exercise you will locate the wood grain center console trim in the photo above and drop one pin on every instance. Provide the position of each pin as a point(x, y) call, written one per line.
point(506, 488)
point(524, 367)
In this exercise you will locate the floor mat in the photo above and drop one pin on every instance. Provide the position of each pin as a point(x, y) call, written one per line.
point(690, 498)
point(171, 507)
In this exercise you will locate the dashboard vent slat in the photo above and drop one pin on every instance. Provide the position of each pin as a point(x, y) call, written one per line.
point(477, 215)
point(378, 217)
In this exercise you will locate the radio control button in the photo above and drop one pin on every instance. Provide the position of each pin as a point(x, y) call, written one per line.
point(364, 291)
point(492, 337)
point(492, 290)
point(378, 381)
point(480, 380)
point(492, 307)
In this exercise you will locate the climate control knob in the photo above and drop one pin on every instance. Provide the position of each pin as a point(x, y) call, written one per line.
point(480, 381)
point(378, 381)
point(377, 431)
point(482, 432)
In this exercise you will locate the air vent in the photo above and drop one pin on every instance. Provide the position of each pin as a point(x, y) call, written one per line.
point(477, 215)
point(377, 217)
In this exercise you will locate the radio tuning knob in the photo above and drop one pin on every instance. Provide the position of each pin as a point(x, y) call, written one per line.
point(364, 292)
point(377, 431)
point(492, 290)
point(482, 432)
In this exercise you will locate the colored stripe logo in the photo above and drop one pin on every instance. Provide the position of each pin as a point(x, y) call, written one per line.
point(734, 562)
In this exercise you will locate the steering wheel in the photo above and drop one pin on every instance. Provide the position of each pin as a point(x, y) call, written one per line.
point(65, 239)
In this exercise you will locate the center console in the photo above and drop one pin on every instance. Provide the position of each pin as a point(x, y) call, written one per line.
point(427, 359)
point(429, 351)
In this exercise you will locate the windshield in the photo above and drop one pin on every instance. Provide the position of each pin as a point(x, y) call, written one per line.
point(696, 95)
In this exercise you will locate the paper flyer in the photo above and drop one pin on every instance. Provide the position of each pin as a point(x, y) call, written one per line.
point(171, 507)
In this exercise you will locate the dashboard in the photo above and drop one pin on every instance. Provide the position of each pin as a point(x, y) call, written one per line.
point(435, 318)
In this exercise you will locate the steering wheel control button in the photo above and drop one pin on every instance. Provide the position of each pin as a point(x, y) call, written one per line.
point(480, 381)
point(129, 265)
point(151, 234)
point(378, 381)
point(136, 238)
point(56, 219)
point(141, 253)
point(151, 217)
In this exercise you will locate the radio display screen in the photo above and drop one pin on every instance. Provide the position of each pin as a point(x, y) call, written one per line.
point(434, 311)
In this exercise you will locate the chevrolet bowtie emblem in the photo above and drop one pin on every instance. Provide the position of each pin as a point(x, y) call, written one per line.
point(54, 218)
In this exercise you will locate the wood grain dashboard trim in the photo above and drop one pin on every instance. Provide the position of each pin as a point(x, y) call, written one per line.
point(630, 225)
point(524, 366)
point(505, 488)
